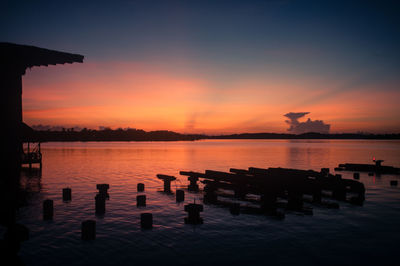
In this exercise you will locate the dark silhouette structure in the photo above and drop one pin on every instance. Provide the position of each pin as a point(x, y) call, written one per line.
point(31, 153)
point(377, 168)
point(167, 181)
point(290, 185)
point(14, 60)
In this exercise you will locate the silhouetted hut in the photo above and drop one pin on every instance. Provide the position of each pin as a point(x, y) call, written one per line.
point(14, 60)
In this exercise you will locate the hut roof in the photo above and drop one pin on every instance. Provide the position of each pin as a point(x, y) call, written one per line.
point(28, 134)
point(26, 56)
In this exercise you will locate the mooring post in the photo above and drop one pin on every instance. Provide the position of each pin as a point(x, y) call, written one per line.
point(193, 211)
point(167, 181)
point(103, 188)
point(48, 209)
point(100, 203)
point(140, 187)
point(88, 230)
point(146, 220)
point(180, 195)
point(193, 186)
point(141, 200)
point(210, 195)
point(67, 194)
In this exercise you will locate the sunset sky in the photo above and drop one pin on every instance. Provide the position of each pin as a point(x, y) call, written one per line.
point(211, 66)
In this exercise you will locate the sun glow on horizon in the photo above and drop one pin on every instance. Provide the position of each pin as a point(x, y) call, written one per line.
point(154, 97)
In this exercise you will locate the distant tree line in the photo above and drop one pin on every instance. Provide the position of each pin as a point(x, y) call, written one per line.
point(107, 134)
point(310, 135)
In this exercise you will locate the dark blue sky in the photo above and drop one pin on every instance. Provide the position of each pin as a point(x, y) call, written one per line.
point(352, 32)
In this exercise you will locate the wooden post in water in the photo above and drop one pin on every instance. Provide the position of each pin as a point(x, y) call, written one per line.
point(48, 210)
point(167, 181)
point(193, 211)
point(88, 230)
point(146, 220)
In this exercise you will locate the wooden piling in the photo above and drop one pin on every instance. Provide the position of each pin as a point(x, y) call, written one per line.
point(88, 230)
point(193, 211)
point(140, 187)
point(141, 201)
point(100, 204)
point(146, 220)
point(167, 181)
point(180, 195)
point(48, 210)
point(67, 194)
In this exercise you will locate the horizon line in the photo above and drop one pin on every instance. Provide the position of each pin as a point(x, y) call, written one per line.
point(102, 128)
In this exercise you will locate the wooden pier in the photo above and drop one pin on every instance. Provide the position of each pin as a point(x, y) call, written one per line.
point(377, 168)
point(32, 155)
point(275, 188)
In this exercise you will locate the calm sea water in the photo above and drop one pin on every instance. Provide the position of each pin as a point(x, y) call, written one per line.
point(351, 235)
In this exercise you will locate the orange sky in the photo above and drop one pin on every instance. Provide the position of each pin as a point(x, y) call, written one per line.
point(212, 66)
point(158, 96)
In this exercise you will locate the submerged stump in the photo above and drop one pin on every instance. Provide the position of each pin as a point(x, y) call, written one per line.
point(48, 209)
point(100, 204)
point(193, 211)
point(141, 201)
point(140, 187)
point(67, 194)
point(88, 230)
point(146, 220)
point(180, 195)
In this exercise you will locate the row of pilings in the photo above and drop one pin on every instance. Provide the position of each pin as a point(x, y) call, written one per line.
point(88, 227)
point(272, 192)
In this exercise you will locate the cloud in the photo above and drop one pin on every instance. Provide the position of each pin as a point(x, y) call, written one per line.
point(297, 127)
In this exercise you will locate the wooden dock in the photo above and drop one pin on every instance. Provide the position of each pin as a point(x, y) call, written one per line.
point(274, 188)
point(32, 155)
point(377, 168)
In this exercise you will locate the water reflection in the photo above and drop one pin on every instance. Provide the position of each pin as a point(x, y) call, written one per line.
point(223, 237)
point(30, 184)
